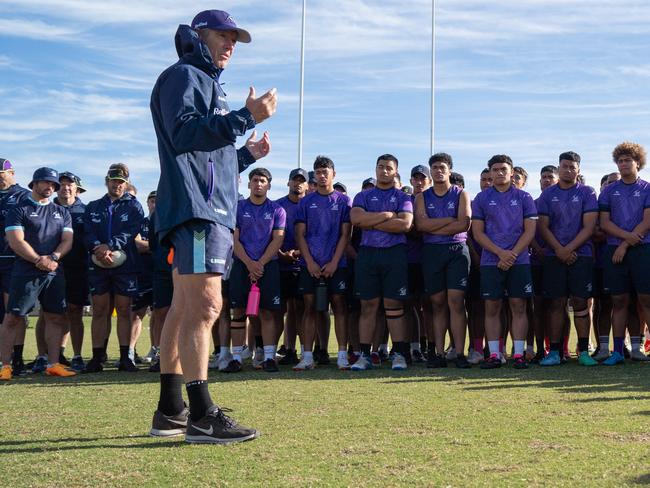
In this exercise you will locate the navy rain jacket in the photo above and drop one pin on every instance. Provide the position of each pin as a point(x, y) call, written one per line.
point(196, 131)
point(115, 224)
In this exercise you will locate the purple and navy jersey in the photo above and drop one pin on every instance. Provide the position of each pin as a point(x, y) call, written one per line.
point(413, 242)
point(503, 214)
point(625, 204)
point(378, 200)
point(565, 209)
point(323, 216)
point(43, 224)
point(77, 258)
point(441, 207)
point(256, 224)
point(145, 278)
point(291, 209)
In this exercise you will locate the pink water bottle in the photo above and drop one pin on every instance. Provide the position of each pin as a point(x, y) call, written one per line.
point(253, 305)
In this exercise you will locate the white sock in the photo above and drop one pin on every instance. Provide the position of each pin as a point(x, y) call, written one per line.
point(308, 356)
point(415, 346)
point(519, 347)
point(236, 353)
point(494, 347)
point(343, 355)
point(269, 352)
point(224, 351)
point(132, 353)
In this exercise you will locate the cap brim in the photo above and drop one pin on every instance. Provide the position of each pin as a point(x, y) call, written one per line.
point(80, 189)
point(118, 178)
point(243, 35)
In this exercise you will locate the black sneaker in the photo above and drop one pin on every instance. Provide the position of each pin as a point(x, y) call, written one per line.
point(77, 364)
point(436, 361)
point(462, 362)
point(323, 358)
point(93, 366)
point(269, 365)
point(169, 425)
point(19, 368)
point(282, 351)
point(155, 366)
point(492, 362)
point(217, 428)
point(418, 357)
point(234, 366)
point(136, 359)
point(128, 366)
point(64, 361)
point(289, 359)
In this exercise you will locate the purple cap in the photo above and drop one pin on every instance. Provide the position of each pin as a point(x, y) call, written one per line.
point(219, 20)
point(5, 165)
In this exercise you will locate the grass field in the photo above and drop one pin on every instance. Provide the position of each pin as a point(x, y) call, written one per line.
point(559, 426)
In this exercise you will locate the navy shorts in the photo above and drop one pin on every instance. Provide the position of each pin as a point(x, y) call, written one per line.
point(445, 267)
point(142, 300)
point(561, 280)
point(381, 272)
point(289, 283)
point(101, 280)
point(76, 286)
point(496, 284)
point(46, 288)
point(201, 246)
point(631, 275)
point(269, 285)
point(336, 285)
point(163, 289)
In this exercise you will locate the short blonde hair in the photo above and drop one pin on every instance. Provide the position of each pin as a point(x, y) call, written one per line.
point(632, 149)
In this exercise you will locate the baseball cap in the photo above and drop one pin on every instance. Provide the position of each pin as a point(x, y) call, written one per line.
point(340, 187)
point(312, 177)
point(422, 170)
point(5, 165)
point(152, 194)
point(219, 20)
point(118, 172)
point(299, 172)
point(46, 174)
point(369, 181)
point(74, 178)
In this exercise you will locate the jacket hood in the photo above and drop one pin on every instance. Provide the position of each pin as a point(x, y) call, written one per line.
point(193, 51)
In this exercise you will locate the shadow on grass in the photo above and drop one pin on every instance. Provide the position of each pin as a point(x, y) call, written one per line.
point(47, 445)
point(644, 479)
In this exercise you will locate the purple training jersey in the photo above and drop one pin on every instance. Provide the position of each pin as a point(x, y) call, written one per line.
point(440, 207)
point(256, 224)
point(625, 204)
point(324, 216)
point(378, 200)
point(565, 209)
point(503, 214)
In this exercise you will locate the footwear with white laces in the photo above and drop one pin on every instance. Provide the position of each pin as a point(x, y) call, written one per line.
point(342, 362)
point(475, 357)
point(638, 355)
point(224, 361)
point(150, 355)
point(213, 363)
point(258, 358)
point(246, 353)
point(304, 365)
point(451, 354)
point(363, 363)
point(399, 363)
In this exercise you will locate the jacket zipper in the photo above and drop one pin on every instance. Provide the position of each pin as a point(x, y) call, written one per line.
point(210, 182)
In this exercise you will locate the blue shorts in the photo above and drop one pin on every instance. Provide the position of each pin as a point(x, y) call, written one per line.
point(496, 284)
point(46, 288)
point(101, 280)
point(76, 286)
point(201, 246)
point(629, 276)
point(163, 289)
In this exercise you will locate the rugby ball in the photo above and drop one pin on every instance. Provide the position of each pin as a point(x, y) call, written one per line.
point(119, 257)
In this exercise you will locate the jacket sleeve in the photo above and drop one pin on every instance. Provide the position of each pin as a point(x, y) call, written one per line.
point(91, 240)
point(129, 229)
point(184, 107)
point(244, 158)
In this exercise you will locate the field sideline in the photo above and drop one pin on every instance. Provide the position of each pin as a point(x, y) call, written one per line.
point(448, 427)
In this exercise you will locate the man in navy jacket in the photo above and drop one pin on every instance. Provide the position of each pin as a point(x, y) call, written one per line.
point(197, 195)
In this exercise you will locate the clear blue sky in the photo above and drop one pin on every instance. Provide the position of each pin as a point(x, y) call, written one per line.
point(529, 78)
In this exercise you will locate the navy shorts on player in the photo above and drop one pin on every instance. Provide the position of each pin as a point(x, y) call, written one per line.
point(289, 283)
point(163, 289)
point(143, 299)
point(496, 284)
point(633, 274)
point(561, 280)
point(46, 288)
point(336, 285)
point(381, 272)
point(269, 285)
point(445, 267)
point(201, 246)
point(101, 280)
point(76, 286)
point(537, 272)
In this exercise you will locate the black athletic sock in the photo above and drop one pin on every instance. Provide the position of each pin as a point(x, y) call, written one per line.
point(18, 352)
point(124, 353)
point(555, 346)
point(259, 342)
point(105, 344)
point(365, 349)
point(583, 344)
point(171, 394)
point(199, 397)
point(431, 347)
point(402, 348)
point(98, 353)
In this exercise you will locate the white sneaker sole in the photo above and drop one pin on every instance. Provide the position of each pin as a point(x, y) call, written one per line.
point(205, 439)
point(166, 433)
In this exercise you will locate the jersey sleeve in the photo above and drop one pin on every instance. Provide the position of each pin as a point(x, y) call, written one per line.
point(67, 221)
point(301, 213)
point(542, 204)
point(346, 210)
point(590, 202)
point(603, 201)
point(477, 208)
point(530, 210)
point(406, 205)
point(359, 201)
point(14, 219)
point(279, 218)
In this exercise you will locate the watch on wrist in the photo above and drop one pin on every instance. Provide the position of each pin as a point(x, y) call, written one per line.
point(54, 257)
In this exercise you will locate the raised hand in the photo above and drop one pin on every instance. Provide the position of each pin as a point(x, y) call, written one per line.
point(263, 107)
point(260, 148)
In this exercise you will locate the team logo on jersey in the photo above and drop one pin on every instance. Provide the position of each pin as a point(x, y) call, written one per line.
point(220, 111)
point(276, 300)
point(56, 215)
point(131, 286)
point(451, 206)
point(313, 205)
point(528, 288)
point(247, 215)
point(268, 216)
point(33, 214)
point(636, 193)
point(124, 218)
point(335, 206)
point(392, 199)
point(374, 199)
point(492, 203)
point(575, 199)
point(431, 206)
point(616, 194)
point(514, 203)
point(555, 199)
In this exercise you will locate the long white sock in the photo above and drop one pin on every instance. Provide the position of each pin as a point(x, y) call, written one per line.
point(236, 353)
point(308, 356)
point(494, 348)
point(223, 351)
point(269, 352)
point(519, 347)
point(415, 346)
